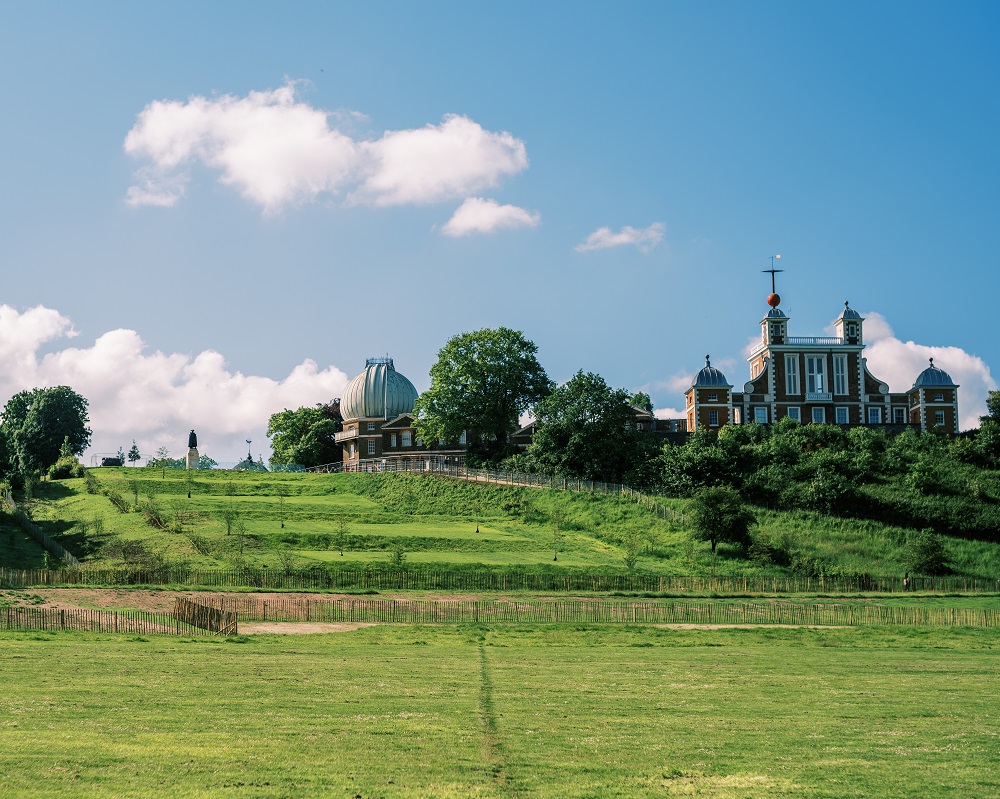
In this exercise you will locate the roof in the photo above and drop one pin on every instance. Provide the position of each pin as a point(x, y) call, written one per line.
point(379, 391)
point(710, 376)
point(776, 313)
point(932, 376)
point(848, 312)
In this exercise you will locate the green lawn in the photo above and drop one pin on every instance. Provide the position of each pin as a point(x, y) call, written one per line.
point(513, 711)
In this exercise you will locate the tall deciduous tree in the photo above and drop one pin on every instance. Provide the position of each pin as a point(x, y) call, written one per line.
point(718, 514)
point(37, 423)
point(585, 429)
point(482, 382)
point(306, 436)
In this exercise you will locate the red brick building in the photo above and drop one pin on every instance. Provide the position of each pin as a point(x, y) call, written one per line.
point(821, 379)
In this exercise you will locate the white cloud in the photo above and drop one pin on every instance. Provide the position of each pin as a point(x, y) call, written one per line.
point(477, 215)
point(603, 238)
point(154, 397)
point(669, 413)
point(275, 150)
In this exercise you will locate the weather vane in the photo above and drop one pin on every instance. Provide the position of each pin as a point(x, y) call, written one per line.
point(773, 300)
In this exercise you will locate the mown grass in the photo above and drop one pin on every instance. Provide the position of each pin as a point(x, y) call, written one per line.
point(435, 521)
point(526, 711)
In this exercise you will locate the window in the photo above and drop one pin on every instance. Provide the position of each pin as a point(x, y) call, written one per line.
point(371, 425)
point(840, 374)
point(673, 427)
point(393, 440)
point(795, 413)
point(713, 398)
point(842, 415)
point(852, 330)
point(760, 415)
point(713, 418)
point(371, 447)
point(351, 452)
point(792, 374)
point(815, 369)
point(939, 397)
point(441, 442)
point(874, 415)
point(899, 415)
point(407, 441)
point(939, 418)
point(419, 441)
point(819, 415)
point(463, 439)
point(737, 415)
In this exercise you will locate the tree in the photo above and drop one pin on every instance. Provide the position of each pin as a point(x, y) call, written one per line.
point(718, 514)
point(925, 553)
point(585, 429)
point(306, 436)
point(992, 408)
point(36, 423)
point(482, 381)
point(133, 454)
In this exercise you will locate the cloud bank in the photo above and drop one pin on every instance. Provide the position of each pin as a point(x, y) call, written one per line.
point(477, 215)
point(152, 396)
point(642, 238)
point(277, 150)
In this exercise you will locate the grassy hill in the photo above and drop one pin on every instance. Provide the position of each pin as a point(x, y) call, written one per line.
point(294, 521)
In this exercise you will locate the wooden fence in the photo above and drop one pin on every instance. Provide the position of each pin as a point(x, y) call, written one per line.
point(103, 621)
point(602, 611)
point(205, 617)
point(568, 581)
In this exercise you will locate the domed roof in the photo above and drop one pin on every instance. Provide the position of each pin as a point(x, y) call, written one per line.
point(932, 376)
point(378, 392)
point(848, 312)
point(710, 376)
point(776, 313)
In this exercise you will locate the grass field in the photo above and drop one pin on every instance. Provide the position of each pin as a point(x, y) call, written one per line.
point(435, 522)
point(522, 711)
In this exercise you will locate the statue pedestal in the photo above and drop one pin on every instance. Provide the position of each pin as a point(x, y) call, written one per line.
point(192, 460)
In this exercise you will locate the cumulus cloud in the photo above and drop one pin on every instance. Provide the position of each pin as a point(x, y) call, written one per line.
point(477, 215)
point(151, 396)
point(276, 149)
point(643, 238)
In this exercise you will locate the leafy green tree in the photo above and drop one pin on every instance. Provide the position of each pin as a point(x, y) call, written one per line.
point(585, 429)
point(205, 462)
point(992, 407)
point(925, 553)
point(36, 424)
point(717, 514)
point(482, 381)
point(133, 454)
point(306, 436)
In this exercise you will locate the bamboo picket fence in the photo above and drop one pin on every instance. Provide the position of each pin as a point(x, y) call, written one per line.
point(598, 611)
point(323, 579)
point(205, 617)
point(102, 621)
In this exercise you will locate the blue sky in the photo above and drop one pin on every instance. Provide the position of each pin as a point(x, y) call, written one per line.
point(311, 184)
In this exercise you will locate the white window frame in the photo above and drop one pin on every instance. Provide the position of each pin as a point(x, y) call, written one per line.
point(463, 439)
point(737, 416)
point(840, 374)
point(760, 414)
point(794, 412)
point(713, 418)
point(899, 415)
point(713, 398)
point(792, 374)
point(351, 452)
point(371, 425)
point(939, 397)
point(371, 446)
point(842, 415)
point(407, 439)
point(393, 440)
point(939, 418)
point(815, 374)
point(819, 415)
point(874, 414)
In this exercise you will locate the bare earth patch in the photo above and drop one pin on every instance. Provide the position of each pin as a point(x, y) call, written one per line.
point(300, 627)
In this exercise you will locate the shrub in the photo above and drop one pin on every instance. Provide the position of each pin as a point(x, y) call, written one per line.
point(925, 553)
point(66, 467)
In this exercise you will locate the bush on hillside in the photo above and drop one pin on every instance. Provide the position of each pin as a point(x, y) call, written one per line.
point(66, 467)
point(925, 553)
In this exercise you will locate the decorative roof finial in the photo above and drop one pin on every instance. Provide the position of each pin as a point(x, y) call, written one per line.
point(931, 360)
point(847, 303)
point(707, 361)
point(773, 299)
